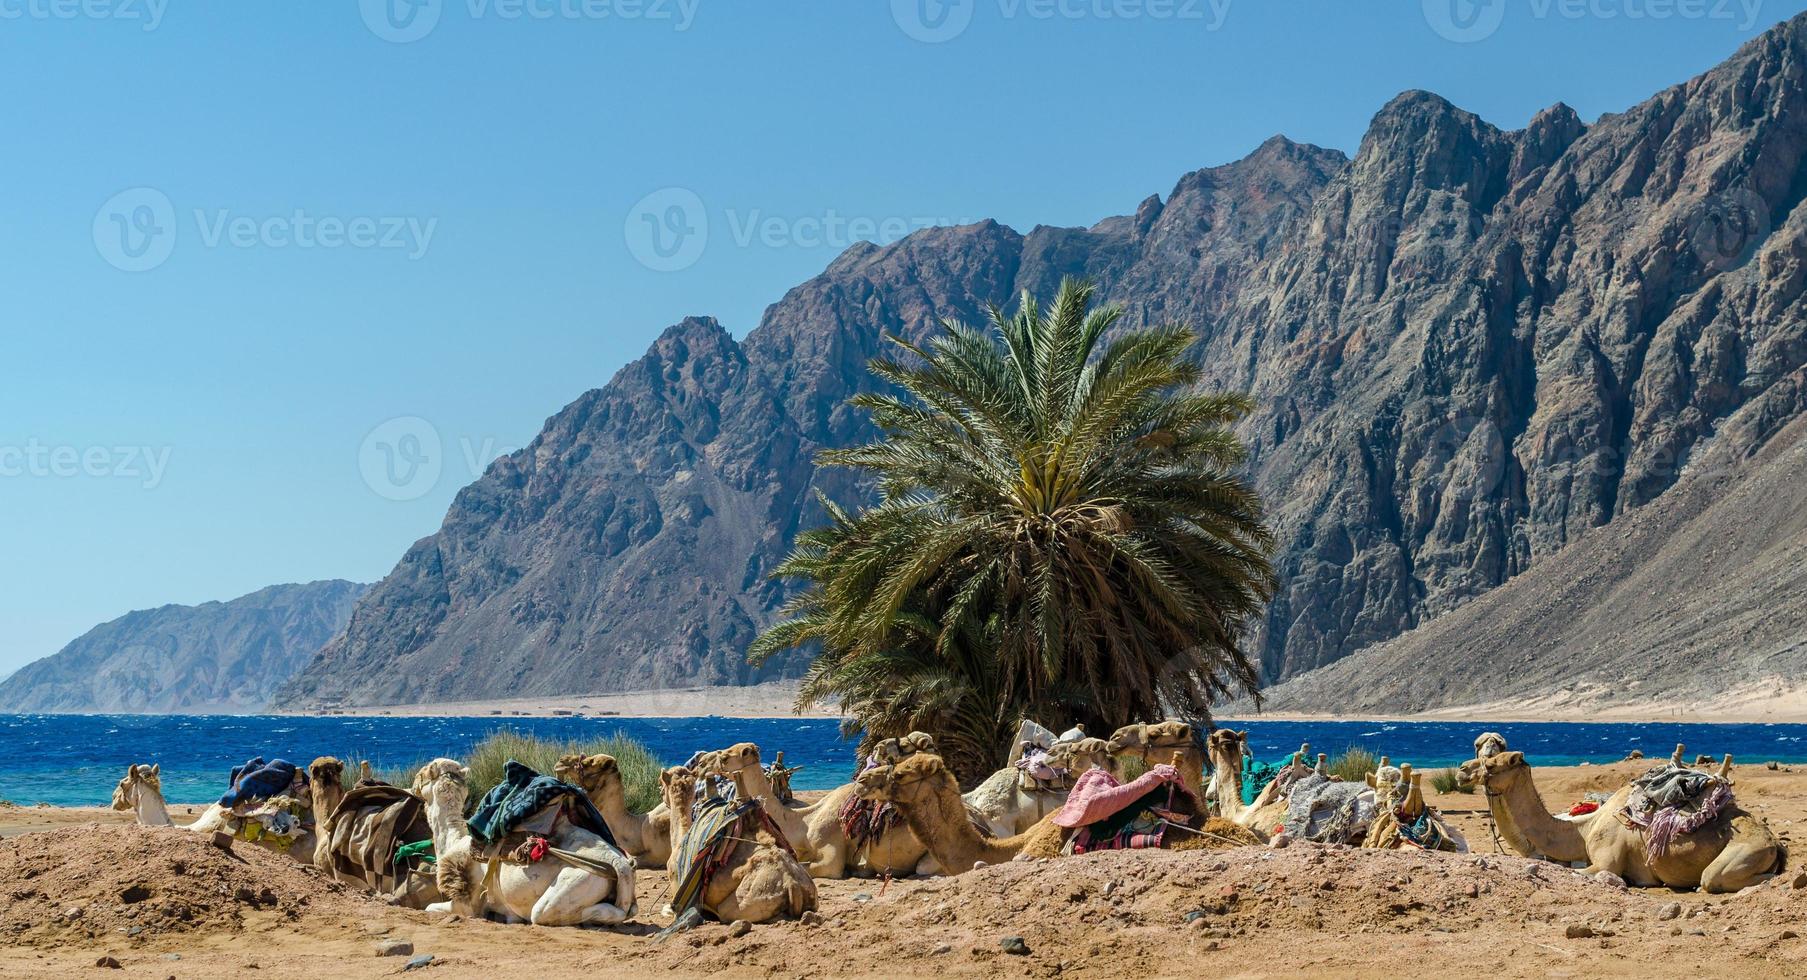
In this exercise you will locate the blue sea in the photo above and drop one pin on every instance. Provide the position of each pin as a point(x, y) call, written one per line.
point(74, 760)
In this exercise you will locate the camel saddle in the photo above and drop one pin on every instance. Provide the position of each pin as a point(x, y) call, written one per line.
point(367, 828)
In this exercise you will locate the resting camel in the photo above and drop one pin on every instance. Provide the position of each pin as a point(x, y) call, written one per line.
point(357, 834)
point(1156, 743)
point(141, 791)
point(928, 796)
point(1011, 800)
point(550, 892)
point(815, 831)
point(1732, 852)
point(759, 880)
point(645, 837)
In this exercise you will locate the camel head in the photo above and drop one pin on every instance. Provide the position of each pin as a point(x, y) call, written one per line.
point(735, 758)
point(1489, 744)
point(1496, 773)
point(894, 750)
point(1077, 757)
point(590, 773)
point(125, 795)
point(326, 771)
point(443, 781)
point(1152, 739)
point(912, 781)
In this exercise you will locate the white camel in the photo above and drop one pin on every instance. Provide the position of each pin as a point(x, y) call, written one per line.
point(141, 791)
point(552, 892)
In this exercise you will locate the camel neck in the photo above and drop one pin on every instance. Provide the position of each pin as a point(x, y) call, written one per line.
point(1526, 824)
point(148, 805)
point(627, 826)
point(943, 825)
point(1227, 774)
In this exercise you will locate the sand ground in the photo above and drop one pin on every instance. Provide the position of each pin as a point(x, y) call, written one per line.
point(1304, 911)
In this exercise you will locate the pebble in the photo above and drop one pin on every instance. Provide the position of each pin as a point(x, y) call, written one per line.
point(395, 947)
point(1579, 931)
point(1610, 880)
point(1015, 946)
point(810, 918)
point(1787, 934)
point(172, 957)
point(419, 962)
point(739, 928)
point(863, 897)
point(108, 963)
point(1673, 910)
point(1472, 891)
point(941, 949)
point(1800, 882)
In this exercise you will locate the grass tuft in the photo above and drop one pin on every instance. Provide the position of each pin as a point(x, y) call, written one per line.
point(639, 767)
point(1449, 781)
point(1354, 764)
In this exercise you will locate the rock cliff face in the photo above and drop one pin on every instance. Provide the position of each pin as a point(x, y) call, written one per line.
point(214, 657)
point(1469, 346)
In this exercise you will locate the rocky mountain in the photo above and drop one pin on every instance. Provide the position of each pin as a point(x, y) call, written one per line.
point(1470, 346)
point(217, 657)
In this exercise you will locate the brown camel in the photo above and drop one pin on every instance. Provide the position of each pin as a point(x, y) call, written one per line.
point(928, 796)
point(760, 879)
point(1156, 742)
point(815, 830)
point(645, 837)
point(1733, 851)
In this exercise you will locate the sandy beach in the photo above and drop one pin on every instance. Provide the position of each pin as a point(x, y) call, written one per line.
point(1303, 911)
point(774, 700)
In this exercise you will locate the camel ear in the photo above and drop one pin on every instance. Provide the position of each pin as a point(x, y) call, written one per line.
point(1372, 782)
point(156, 767)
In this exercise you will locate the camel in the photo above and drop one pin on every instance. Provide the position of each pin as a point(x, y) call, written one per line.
point(1156, 742)
point(1733, 851)
point(759, 879)
point(1011, 800)
point(357, 833)
point(550, 892)
point(815, 830)
point(141, 791)
point(928, 796)
point(1402, 818)
point(645, 837)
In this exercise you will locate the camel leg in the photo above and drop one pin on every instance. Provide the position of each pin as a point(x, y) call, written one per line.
point(829, 862)
point(1738, 867)
point(568, 899)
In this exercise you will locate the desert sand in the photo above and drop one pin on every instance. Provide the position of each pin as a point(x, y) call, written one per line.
point(1302, 911)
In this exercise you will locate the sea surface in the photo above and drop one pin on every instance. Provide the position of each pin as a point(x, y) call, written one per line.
point(75, 760)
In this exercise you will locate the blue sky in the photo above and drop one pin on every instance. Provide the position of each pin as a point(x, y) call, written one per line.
point(281, 276)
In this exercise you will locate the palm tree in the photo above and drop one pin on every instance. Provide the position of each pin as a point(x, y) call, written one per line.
point(1061, 534)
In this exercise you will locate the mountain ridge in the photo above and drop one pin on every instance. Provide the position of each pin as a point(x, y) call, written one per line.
point(1469, 346)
